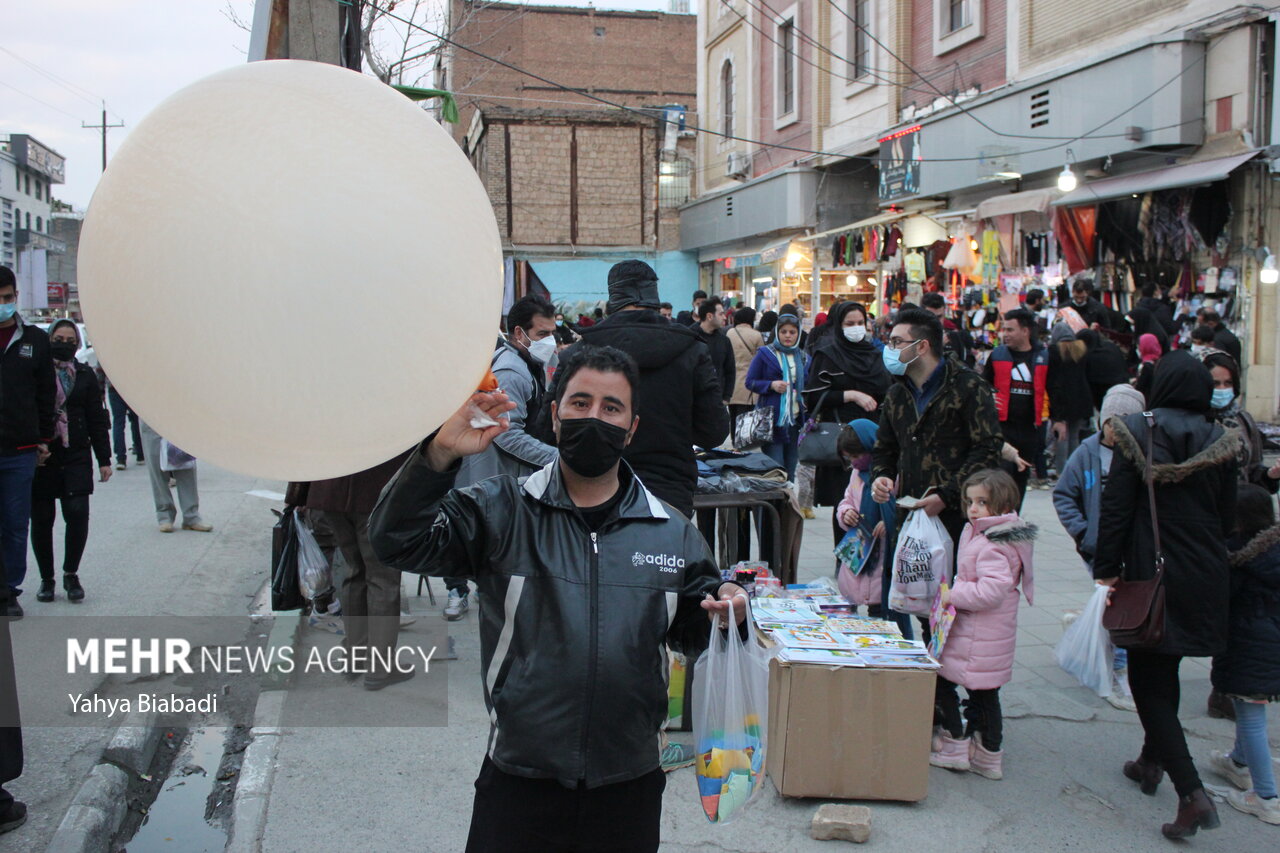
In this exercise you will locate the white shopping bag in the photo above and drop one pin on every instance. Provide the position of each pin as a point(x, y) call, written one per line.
point(921, 562)
point(1085, 649)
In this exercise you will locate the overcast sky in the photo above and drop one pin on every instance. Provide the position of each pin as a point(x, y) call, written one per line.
point(133, 54)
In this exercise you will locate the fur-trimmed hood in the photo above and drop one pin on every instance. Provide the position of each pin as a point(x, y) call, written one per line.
point(1257, 546)
point(1223, 449)
point(1012, 530)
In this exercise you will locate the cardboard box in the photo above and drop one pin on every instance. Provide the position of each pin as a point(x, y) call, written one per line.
point(850, 733)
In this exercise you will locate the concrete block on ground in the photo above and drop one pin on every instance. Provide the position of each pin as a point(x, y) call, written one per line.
point(134, 743)
point(838, 822)
point(95, 814)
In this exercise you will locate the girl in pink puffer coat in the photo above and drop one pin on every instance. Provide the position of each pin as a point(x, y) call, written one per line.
point(994, 558)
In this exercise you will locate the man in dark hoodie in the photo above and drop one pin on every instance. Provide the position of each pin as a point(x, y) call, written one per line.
point(680, 400)
point(710, 330)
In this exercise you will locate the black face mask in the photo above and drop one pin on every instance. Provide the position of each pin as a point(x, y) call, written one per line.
point(589, 446)
point(62, 351)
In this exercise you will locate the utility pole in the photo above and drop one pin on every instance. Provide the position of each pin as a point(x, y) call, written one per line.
point(103, 127)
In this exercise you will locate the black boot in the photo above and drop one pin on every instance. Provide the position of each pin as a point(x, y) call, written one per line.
point(1195, 811)
point(46, 591)
point(1146, 772)
point(71, 583)
point(1220, 707)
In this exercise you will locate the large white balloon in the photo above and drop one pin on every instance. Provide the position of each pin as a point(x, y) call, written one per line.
point(292, 271)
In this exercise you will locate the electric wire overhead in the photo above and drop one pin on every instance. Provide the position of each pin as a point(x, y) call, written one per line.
point(649, 113)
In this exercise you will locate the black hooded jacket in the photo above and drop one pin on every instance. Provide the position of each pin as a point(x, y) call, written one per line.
point(1251, 665)
point(680, 402)
point(1195, 490)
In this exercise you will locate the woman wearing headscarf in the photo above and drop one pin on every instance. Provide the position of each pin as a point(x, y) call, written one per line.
point(1104, 365)
point(1149, 352)
point(81, 432)
point(1195, 491)
point(776, 374)
point(1226, 410)
point(847, 380)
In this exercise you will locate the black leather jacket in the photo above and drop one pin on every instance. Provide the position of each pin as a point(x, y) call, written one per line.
point(574, 624)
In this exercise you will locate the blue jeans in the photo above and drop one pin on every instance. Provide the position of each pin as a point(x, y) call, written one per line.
point(784, 449)
point(1251, 745)
point(120, 412)
point(16, 473)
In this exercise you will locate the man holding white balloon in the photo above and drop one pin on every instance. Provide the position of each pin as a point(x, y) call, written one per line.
point(590, 575)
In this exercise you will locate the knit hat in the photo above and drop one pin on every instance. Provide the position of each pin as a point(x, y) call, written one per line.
point(1061, 332)
point(1121, 400)
point(632, 283)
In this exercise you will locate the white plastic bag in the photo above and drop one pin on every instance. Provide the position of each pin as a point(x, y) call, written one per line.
point(730, 719)
point(314, 574)
point(174, 458)
point(921, 562)
point(1085, 649)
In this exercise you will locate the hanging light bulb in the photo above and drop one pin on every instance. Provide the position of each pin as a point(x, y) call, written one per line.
point(1067, 179)
point(1269, 274)
point(851, 280)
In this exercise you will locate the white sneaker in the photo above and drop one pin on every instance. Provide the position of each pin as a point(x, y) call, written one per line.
point(407, 619)
point(1267, 811)
point(457, 606)
point(1234, 773)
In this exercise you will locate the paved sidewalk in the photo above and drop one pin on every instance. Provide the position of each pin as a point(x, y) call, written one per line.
point(411, 788)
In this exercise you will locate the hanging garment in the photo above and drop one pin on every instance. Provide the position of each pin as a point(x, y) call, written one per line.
point(1076, 228)
point(915, 266)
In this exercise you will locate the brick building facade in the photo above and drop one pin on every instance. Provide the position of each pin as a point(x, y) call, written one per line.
point(576, 184)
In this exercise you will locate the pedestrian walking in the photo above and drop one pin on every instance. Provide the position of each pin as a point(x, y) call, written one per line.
point(13, 813)
point(777, 375)
point(1149, 352)
point(1018, 370)
point(1067, 384)
point(26, 429)
point(187, 484)
point(768, 322)
point(680, 395)
point(67, 476)
point(859, 509)
point(1194, 467)
point(993, 561)
point(1248, 673)
point(1226, 410)
point(710, 330)
point(1104, 366)
point(575, 673)
point(1077, 499)
point(746, 343)
point(124, 417)
point(519, 365)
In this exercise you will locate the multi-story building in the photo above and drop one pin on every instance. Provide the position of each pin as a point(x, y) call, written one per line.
point(28, 171)
point(937, 122)
point(577, 184)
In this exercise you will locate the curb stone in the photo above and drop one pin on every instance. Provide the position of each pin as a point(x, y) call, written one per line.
point(253, 790)
point(95, 814)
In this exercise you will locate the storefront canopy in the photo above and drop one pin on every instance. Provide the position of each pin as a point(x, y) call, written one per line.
point(1171, 177)
point(1031, 201)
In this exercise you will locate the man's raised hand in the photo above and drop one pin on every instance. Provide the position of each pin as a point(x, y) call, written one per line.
point(457, 437)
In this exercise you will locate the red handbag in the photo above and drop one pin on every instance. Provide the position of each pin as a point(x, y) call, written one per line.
point(1136, 615)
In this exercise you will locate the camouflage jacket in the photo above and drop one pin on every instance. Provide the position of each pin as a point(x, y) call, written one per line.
point(957, 434)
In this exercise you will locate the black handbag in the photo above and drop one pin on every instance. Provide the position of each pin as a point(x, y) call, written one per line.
point(1136, 615)
point(818, 439)
point(286, 594)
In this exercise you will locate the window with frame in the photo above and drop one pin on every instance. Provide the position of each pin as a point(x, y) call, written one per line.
point(40, 224)
point(675, 182)
point(958, 15)
point(786, 68)
point(726, 98)
point(859, 39)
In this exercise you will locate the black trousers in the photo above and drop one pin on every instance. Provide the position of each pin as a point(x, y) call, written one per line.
point(513, 814)
point(75, 512)
point(1153, 680)
point(10, 733)
point(982, 714)
point(1027, 439)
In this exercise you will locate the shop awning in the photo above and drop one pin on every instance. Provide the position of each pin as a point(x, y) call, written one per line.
point(748, 255)
point(1031, 201)
point(1171, 177)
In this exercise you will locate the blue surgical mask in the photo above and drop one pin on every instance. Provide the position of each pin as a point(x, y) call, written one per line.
point(893, 360)
point(1222, 397)
point(7, 310)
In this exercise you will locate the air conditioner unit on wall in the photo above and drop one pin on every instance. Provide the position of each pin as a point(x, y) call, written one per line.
point(737, 164)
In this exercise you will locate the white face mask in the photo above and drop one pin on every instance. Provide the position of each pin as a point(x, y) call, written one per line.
point(1196, 349)
point(542, 350)
point(855, 334)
